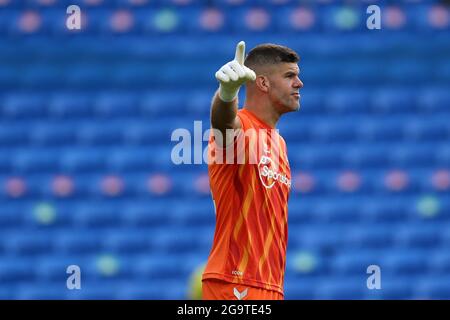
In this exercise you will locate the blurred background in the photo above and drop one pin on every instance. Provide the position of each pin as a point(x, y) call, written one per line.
point(86, 118)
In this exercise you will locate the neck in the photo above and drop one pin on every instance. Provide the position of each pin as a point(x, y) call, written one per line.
point(264, 110)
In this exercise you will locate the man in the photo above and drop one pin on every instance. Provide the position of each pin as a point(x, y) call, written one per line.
point(248, 257)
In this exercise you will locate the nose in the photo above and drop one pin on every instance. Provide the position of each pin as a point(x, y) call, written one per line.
point(298, 83)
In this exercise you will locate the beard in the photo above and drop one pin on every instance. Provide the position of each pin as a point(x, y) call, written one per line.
point(290, 106)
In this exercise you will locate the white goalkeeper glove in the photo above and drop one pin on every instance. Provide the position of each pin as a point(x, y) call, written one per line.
point(233, 74)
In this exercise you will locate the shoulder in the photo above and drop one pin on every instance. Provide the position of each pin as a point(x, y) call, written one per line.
point(282, 141)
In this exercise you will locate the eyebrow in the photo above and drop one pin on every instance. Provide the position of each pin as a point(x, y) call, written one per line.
point(292, 72)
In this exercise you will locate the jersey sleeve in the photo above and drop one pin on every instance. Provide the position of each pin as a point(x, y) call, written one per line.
point(230, 153)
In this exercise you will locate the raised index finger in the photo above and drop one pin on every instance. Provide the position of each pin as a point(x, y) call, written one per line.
point(240, 53)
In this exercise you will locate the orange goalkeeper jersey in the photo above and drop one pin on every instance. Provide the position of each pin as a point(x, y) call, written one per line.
point(250, 190)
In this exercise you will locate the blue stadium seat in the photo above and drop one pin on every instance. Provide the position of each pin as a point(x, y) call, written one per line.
point(82, 160)
point(355, 262)
point(162, 103)
point(434, 100)
point(419, 236)
point(442, 155)
point(30, 244)
point(58, 134)
point(151, 213)
point(53, 268)
point(41, 77)
point(6, 293)
point(392, 288)
point(393, 100)
point(366, 157)
point(289, 19)
point(433, 287)
point(40, 209)
point(306, 262)
point(162, 266)
point(196, 24)
point(12, 215)
point(136, 76)
point(300, 211)
point(358, 72)
point(150, 25)
point(332, 18)
point(445, 238)
point(40, 291)
point(19, 106)
point(14, 135)
point(32, 187)
point(112, 104)
point(227, 4)
point(239, 21)
point(419, 16)
point(312, 102)
point(349, 288)
point(428, 129)
point(347, 100)
point(375, 131)
point(35, 161)
point(370, 236)
point(155, 290)
point(95, 290)
point(183, 240)
point(339, 211)
point(86, 76)
point(70, 105)
point(127, 241)
point(9, 78)
point(5, 163)
point(109, 267)
point(440, 262)
point(199, 103)
point(99, 134)
point(149, 132)
point(97, 215)
point(14, 269)
point(76, 243)
point(319, 237)
point(299, 289)
point(136, 159)
point(444, 208)
point(317, 157)
point(381, 209)
point(406, 71)
point(411, 155)
point(405, 262)
point(295, 130)
point(443, 72)
point(199, 214)
point(333, 132)
point(7, 18)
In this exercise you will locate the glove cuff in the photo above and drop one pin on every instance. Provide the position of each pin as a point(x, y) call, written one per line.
point(228, 94)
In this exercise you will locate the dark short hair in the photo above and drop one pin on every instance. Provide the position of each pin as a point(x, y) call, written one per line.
point(269, 53)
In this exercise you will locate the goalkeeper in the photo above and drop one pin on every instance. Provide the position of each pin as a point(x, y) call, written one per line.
point(248, 255)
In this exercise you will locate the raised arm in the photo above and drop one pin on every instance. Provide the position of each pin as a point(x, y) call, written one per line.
point(225, 103)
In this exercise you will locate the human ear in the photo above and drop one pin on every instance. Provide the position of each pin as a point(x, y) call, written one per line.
point(263, 84)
